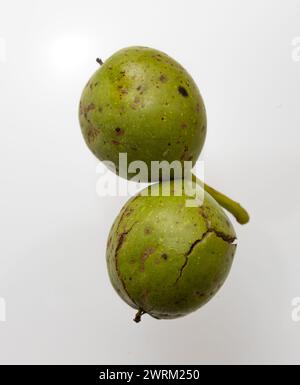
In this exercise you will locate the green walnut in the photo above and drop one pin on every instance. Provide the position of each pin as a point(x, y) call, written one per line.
point(143, 103)
point(167, 259)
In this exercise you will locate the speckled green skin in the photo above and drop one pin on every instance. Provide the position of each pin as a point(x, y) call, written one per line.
point(168, 259)
point(143, 103)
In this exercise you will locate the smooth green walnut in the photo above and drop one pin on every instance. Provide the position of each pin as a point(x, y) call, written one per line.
point(143, 103)
point(167, 259)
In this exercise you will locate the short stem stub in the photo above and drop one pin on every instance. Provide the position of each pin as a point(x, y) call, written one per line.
point(138, 316)
point(99, 61)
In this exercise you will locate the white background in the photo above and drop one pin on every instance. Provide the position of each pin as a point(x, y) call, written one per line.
point(60, 306)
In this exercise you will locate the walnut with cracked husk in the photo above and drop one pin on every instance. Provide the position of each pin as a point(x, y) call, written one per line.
point(167, 259)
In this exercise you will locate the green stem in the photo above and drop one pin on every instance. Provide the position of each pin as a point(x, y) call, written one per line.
point(233, 207)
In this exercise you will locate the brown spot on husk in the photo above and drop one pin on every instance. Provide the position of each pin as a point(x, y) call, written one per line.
point(148, 230)
point(183, 91)
point(92, 133)
point(163, 78)
point(145, 255)
point(90, 107)
point(119, 131)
